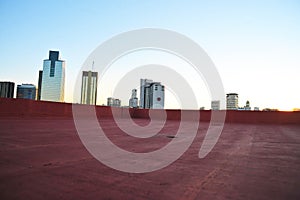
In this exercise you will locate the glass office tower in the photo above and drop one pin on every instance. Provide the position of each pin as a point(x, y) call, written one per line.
point(53, 78)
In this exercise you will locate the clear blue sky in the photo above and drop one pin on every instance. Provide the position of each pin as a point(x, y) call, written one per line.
point(254, 44)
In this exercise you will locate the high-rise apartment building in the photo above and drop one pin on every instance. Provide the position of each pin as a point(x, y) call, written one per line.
point(113, 102)
point(133, 101)
point(152, 94)
point(7, 89)
point(144, 93)
point(215, 105)
point(89, 87)
point(232, 101)
point(26, 91)
point(53, 78)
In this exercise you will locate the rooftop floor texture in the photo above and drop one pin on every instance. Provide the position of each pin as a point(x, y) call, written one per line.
point(42, 157)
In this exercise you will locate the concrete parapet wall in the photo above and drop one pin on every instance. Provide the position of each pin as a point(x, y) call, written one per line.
point(30, 108)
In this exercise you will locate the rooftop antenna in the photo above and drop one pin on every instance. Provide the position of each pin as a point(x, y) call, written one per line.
point(93, 65)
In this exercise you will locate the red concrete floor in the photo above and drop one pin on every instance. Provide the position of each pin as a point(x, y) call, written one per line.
point(43, 158)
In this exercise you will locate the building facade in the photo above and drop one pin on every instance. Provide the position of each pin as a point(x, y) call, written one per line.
point(144, 93)
point(133, 101)
point(7, 89)
point(89, 87)
point(53, 78)
point(152, 94)
point(113, 102)
point(39, 85)
point(232, 101)
point(157, 96)
point(26, 91)
point(247, 106)
point(215, 105)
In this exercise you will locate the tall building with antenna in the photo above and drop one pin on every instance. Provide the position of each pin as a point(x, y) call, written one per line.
point(89, 87)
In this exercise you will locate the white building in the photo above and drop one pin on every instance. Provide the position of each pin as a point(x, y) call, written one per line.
point(157, 96)
point(89, 87)
point(53, 78)
point(133, 101)
point(113, 102)
point(152, 94)
point(232, 101)
point(215, 105)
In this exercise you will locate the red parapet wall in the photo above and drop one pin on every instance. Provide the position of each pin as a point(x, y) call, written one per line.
point(30, 108)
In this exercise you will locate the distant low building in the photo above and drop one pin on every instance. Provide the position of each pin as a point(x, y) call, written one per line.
point(247, 106)
point(113, 102)
point(215, 105)
point(270, 109)
point(256, 108)
point(232, 101)
point(7, 89)
point(26, 91)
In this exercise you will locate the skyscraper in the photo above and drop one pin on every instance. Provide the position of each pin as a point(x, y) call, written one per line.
point(133, 101)
point(144, 93)
point(232, 101)
point(152, 94)
point(26, 91)
point(40, 85)
point(7, 89)
point(53, 79)
point(89, 87)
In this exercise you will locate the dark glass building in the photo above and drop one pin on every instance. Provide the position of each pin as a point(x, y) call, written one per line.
point(7, 89)
point(40, 85)
point(26, 91)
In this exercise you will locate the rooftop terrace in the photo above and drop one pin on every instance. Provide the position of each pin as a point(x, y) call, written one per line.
point(257, 157)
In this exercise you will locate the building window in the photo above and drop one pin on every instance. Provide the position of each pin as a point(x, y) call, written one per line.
point(52, 68)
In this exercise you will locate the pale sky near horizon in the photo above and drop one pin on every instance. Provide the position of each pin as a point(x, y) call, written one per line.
point(255, 45)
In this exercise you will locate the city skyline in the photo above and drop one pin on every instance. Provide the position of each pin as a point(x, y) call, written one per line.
point(89, 85)
point(254, 45)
